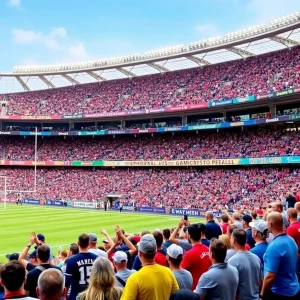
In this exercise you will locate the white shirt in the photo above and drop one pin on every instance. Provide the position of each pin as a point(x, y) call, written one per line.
point(98, 252)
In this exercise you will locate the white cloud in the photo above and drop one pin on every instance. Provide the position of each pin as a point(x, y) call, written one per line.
point(15, 3)
point(78, 53)
point(208, 30)
point(50, 40)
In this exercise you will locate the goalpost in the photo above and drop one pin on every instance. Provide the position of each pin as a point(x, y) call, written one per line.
point(4, 190)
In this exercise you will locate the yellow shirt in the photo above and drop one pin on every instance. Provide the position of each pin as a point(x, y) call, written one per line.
point(152, 282)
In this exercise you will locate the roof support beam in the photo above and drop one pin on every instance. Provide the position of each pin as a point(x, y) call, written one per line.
point(240, 52)
point(96, 76)
point(159, 68)
point(23, 84)
point(49, 83)
point(198, 61)
point(285, 41)
point(72, 80)
point(127, 73)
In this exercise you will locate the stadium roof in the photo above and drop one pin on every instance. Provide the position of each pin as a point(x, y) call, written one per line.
point(278, 34)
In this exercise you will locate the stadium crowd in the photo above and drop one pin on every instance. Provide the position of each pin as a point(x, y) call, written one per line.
point(245, 255)
point(175, 187)
point(254, 142)
point(257, 75)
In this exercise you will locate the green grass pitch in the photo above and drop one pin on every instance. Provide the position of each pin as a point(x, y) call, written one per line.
point(62, 226)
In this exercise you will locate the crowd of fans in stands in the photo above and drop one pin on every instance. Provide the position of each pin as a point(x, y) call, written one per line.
point(253, 142)
point(251, 254)
point(257, 75)
point(186, 187)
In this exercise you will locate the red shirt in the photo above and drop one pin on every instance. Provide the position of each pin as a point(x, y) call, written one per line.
point(160, 258)
point(294, 232)
point(196, 261)
point(224, 227)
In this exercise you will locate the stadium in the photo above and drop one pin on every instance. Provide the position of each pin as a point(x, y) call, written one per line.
point(211, 127)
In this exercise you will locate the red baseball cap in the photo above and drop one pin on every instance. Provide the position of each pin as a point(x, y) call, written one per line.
point(260, 212)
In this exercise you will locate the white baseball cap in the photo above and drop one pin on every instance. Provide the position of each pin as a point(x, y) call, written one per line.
point(174, 251)
point(119, 257)
point(259, 225)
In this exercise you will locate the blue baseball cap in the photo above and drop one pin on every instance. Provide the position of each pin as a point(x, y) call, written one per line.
point(41, 237)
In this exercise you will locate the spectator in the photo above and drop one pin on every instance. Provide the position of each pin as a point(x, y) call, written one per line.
point(204, 240)
point(184, 294)
point(174, 257)
point(260, 214)
point(278, 207)
point(13, 277)
point(294, 232)
point(43, 258)
point(181, 231)
point(62, 256)
point(226, 240)
point(260, 234)
point(247, 219)
point(297, 207)
point(166, 235)
point(93, 240)
point(102, 282)
point(1, 287)
point(160, 256)
point(13, 256)
point(280, 278)
point(248, 265)
point(79, 267)
point(144, 284)
point(220, 282)
point(224, 223)
point(213, 230)
point(196, 260)
point(120, 264)
point(290, 200)
point(51, 285)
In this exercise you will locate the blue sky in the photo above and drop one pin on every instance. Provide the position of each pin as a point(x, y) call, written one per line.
point(57, 31)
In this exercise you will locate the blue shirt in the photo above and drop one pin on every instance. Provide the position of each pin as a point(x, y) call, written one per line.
point(205, 242)
point(281, 258)
point(250, 240)
point(78, 271)
point(213, 230)
point(260, 250)
point(166, 245)
point(214, 284)
point(249, 268)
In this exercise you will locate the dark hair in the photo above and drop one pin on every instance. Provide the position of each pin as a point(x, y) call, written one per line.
point(43, 253)
point(158, 238)
point(176, 261)
point(231, 228)
point(218, 249)
point(166, 233)
point(83, 241)
point(254, 215)
point(240, 236)
point(194, 231)
point(74, 248)
point(225, 218)
point(148, 256)
point(13, 275)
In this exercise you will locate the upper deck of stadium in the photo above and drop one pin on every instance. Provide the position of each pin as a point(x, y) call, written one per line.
point(276, 35)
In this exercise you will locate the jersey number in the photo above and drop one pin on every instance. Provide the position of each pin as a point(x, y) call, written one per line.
point(85, 273)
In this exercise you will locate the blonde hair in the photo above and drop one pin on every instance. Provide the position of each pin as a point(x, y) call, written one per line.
point(226, 240)
point(102, 282)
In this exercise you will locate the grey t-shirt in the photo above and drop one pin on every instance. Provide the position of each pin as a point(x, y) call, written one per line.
point(238, 225)
point(98, 252)
point(124, 275)
point(184, 279)
point(185, 244)
point(250, 271)
point(230, 253)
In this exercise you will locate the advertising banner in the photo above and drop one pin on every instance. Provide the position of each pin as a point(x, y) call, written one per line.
point(85, 204)
point(150, 209)
point(183, 211)
point(220, 102)
point(31, 201)
point(54, 203)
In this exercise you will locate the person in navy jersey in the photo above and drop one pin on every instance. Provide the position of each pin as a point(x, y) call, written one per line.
point(213, 230)
point(280, 278)
point(247, 219)
point(79, 266)
point(260, 234)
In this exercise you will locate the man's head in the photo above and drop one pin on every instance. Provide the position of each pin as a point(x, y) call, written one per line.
point(277, 207)
point(13, 256)
point(238, 238)
point(260, 213)
point(217, 251)
point(106, 245)
point(224, 219)
point(41, 237)
point(159, 238)
point(83, 242)
point(259, 230)
point(246, 220)
point(194, 232)
point(120, 260)
point(43, 254)
point(174, 255)
point(33, 257)
point(63, 255)
point(275, 222)
point(236, 215)
point(209, 216)
point(166, 234)
point(74, 249)
point(12, 276)
point(230, 229)
point(93, 240)
point(292, 215)
point(51, 285)
point(147, 247)
point(297, 207)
